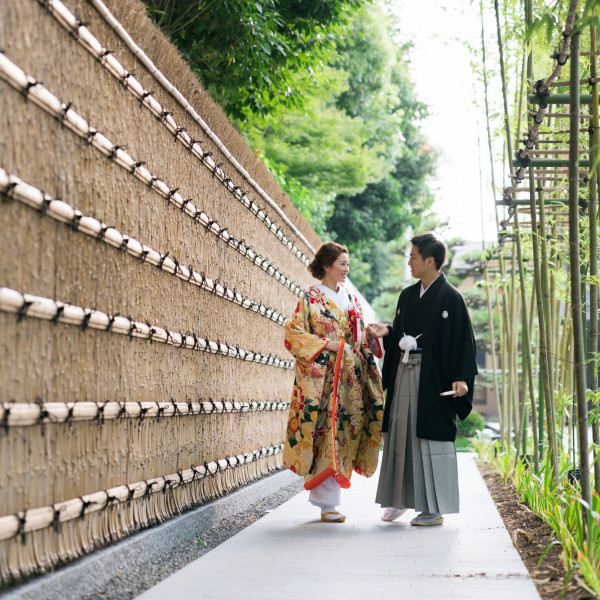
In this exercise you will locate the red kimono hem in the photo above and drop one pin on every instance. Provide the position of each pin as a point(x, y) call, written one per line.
point(326, 474)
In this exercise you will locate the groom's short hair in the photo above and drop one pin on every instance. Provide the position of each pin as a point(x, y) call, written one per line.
point(429, 245)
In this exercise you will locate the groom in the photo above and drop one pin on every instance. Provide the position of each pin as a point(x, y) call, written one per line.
point(428, 370)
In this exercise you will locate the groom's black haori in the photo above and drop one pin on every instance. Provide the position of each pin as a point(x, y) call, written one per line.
point(448, 355)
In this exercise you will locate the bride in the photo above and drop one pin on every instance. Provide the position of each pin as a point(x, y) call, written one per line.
point(336, 410)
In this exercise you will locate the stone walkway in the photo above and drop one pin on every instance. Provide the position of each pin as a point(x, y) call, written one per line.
point(289, 554)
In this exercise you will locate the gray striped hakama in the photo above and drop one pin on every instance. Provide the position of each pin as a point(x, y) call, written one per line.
point(415, 473)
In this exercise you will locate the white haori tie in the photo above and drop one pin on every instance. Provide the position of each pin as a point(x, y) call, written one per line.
point(408, 343)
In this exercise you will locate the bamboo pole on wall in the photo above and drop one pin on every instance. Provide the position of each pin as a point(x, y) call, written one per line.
point(575, 265)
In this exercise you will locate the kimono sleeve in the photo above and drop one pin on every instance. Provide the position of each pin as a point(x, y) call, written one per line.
point(304, 345)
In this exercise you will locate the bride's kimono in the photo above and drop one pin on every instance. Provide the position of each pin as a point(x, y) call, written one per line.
point(336, 410)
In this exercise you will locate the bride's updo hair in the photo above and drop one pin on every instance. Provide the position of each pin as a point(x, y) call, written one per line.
point(326, 255)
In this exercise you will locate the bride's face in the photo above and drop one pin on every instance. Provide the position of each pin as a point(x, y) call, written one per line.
point(338, 271)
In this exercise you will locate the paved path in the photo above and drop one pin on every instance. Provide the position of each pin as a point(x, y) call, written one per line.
point(289, 554)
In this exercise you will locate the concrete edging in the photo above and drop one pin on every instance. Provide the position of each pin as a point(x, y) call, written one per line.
point(87, 574)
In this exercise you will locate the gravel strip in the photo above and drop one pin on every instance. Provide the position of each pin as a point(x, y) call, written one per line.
point(129, 584)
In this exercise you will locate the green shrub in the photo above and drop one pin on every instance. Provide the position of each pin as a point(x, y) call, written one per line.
point(464, 444)
point(472, 424)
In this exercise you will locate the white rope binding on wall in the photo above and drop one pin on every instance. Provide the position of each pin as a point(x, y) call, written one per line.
point(33, 90)
point(23, 414)
point(39, 518)
point(27, 305)
point(176, 94)
point(15, 189)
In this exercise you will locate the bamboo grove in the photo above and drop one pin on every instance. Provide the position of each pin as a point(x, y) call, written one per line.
point(541, 279)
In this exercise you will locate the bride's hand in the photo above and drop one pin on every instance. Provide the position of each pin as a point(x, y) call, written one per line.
point(377, 330)
point(333, 346)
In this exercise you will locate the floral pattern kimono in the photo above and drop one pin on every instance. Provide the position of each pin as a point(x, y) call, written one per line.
point(336, 409)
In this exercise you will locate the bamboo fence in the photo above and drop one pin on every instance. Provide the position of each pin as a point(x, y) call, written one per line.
point(149, 262)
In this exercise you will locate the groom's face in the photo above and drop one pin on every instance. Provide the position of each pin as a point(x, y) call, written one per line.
point(419, 267)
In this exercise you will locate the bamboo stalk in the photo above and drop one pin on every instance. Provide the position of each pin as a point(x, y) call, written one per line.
point(492, 337)
point(554, 307)
point(556, 152)
point(537, 236)
point(545, 279)
point(526, 350)
point(543, 189)
point(487, 110)
point(501, 344)
point(514, 349)
point(593, 226)
point(560, 99)
point(493, 184)
point(575, 265)
point(507, 135)
point(563, 358)
point(505, 339)
point(562, 116)
point(592, 80)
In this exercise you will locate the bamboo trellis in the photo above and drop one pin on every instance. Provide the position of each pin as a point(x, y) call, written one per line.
point(560, 209)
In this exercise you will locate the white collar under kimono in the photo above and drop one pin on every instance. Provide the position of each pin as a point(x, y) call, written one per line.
point(423, 290)
point(339, 298)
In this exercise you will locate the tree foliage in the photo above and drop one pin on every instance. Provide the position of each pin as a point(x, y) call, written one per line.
point(322, 92)
point(254, 55)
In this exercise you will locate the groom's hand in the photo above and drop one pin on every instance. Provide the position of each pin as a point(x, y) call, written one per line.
point(460, 388)
point(376, 330)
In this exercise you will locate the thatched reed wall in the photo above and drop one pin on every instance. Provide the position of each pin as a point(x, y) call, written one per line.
point(76, 476)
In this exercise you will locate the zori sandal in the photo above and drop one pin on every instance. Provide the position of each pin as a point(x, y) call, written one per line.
point(391, 513)
point(333, 517)
point(428, 519)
